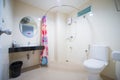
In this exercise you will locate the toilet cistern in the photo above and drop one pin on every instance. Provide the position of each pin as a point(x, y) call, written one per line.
point(116, 57)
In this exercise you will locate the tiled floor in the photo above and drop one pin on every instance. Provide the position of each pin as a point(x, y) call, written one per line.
point(55, 71)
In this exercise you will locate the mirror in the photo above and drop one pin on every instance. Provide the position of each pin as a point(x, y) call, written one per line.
point(28, 27)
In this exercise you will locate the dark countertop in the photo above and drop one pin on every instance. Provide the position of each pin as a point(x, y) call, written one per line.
point(21, 49)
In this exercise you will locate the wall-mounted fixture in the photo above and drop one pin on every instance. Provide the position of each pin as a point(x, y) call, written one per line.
point(90, 14)
point(7, 31)
point(84, 11)
point(69, 21)
point(117, 4)
point(28, 26)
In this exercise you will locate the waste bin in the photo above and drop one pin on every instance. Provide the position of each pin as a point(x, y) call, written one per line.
point(15, 69)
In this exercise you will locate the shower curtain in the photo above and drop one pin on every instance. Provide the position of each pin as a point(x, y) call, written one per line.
point(44, 42)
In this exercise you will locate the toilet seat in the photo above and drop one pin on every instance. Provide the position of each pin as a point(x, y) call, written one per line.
point(94, 64)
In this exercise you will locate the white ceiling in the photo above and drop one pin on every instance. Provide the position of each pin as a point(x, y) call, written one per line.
point(47, 4)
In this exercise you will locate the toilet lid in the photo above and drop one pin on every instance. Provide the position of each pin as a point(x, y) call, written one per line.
point(93, 63)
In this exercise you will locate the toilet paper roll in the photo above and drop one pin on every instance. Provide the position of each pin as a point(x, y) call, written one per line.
point(116, 55)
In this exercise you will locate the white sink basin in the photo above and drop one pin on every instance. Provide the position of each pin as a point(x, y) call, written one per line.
point(116, 55)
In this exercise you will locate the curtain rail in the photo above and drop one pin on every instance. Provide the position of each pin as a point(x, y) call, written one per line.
point(60, 6)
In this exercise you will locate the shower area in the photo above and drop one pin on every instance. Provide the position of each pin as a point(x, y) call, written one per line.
point(73, 34)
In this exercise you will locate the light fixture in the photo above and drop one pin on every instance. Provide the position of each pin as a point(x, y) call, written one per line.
point(84, 11)
point(90, 14)
point(39, 19)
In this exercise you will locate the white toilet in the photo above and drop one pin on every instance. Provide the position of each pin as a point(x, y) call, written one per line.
point(98, 60)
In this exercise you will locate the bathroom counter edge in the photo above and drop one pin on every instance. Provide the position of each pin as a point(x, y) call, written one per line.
point(21, 49)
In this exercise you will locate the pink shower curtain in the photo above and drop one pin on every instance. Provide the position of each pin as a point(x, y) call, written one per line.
point(44, 42)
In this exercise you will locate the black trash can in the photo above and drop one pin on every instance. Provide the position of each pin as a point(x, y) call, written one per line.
point(15, 69)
